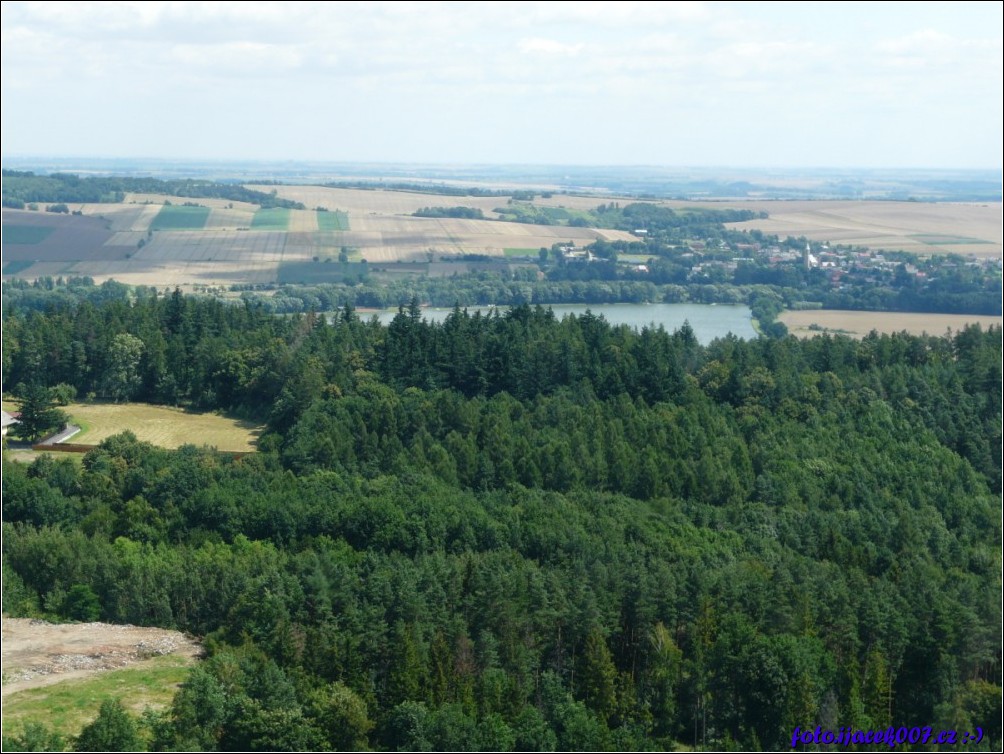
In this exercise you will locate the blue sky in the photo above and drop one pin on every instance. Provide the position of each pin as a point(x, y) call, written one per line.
point(675, 84)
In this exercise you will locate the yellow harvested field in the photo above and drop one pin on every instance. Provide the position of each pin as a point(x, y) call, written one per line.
point(303, 221)
point(615, 235)
point(147, 212)
point(920, 227)
point(203, 202)
point(189, 257)
point(127, 238)
point(301, 247)
point(387, 238)
point(229, 219)
point(213, 246)
point(858, 324)
point(581, 202)
point(162, 426)
point(166, 275)
point(120, 217)
point(378, 202)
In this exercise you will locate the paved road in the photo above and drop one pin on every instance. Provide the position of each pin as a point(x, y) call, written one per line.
point(62, 436)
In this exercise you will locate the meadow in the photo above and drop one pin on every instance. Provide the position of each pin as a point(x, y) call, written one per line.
point(66, 707)
point(162, 426)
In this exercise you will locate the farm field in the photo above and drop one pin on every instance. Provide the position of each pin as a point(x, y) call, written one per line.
point(155, 199)
point(122, 217)
point(179, 217)
point(922, 228)
point(59, 674)
point(162, 426)
point(26, 235)
point(313, 273)
point(222, 218)
point(48, 237)
point(275, 218)
point(332, 220)
point(378, 202)
point(302, 221)
point(221, 243)
point(858, 324)
point(212, 257)
point(581, 203)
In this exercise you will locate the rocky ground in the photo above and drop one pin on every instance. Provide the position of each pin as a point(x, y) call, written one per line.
point(36, 653)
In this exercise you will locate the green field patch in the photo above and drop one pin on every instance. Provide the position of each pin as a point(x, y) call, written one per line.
point(274, 218)
point(180, 217)
point(521, 252)
point(310, 273)
point(335, 220)
point(933, 239)
point(163, 426)
point(18, 265)
point(26, 234)
point(634, 258)
point(66, 707)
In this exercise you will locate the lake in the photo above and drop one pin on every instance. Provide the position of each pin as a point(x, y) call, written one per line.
point(709, 321)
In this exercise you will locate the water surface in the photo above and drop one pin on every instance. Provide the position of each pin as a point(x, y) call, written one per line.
point(709, 321)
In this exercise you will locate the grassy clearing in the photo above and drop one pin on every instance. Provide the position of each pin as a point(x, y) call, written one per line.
point(162, 426)
point(521, 252)
point(179, 217)
point(335, 220)
point(66, 707)
point(26, 234)
point(276, 218)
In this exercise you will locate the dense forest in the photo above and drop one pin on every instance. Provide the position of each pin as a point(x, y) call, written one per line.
point(513, 532)
point(21, 188)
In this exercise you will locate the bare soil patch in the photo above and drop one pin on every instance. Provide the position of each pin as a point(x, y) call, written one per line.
point(37, 653)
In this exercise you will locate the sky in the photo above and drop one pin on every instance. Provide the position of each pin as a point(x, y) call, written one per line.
point(844, 85)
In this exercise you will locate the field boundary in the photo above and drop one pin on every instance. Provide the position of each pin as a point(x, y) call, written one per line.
point(77, 447)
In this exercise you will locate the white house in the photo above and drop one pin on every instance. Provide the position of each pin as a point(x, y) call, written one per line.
point(8, 421)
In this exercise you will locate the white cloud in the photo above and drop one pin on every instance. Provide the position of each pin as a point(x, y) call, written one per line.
point(623, 13)
point(929, 48)
point(363, 64)
point(540, 46)
point(245, 58)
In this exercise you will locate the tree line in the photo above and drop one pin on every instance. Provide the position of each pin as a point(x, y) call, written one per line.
point(21, 188)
